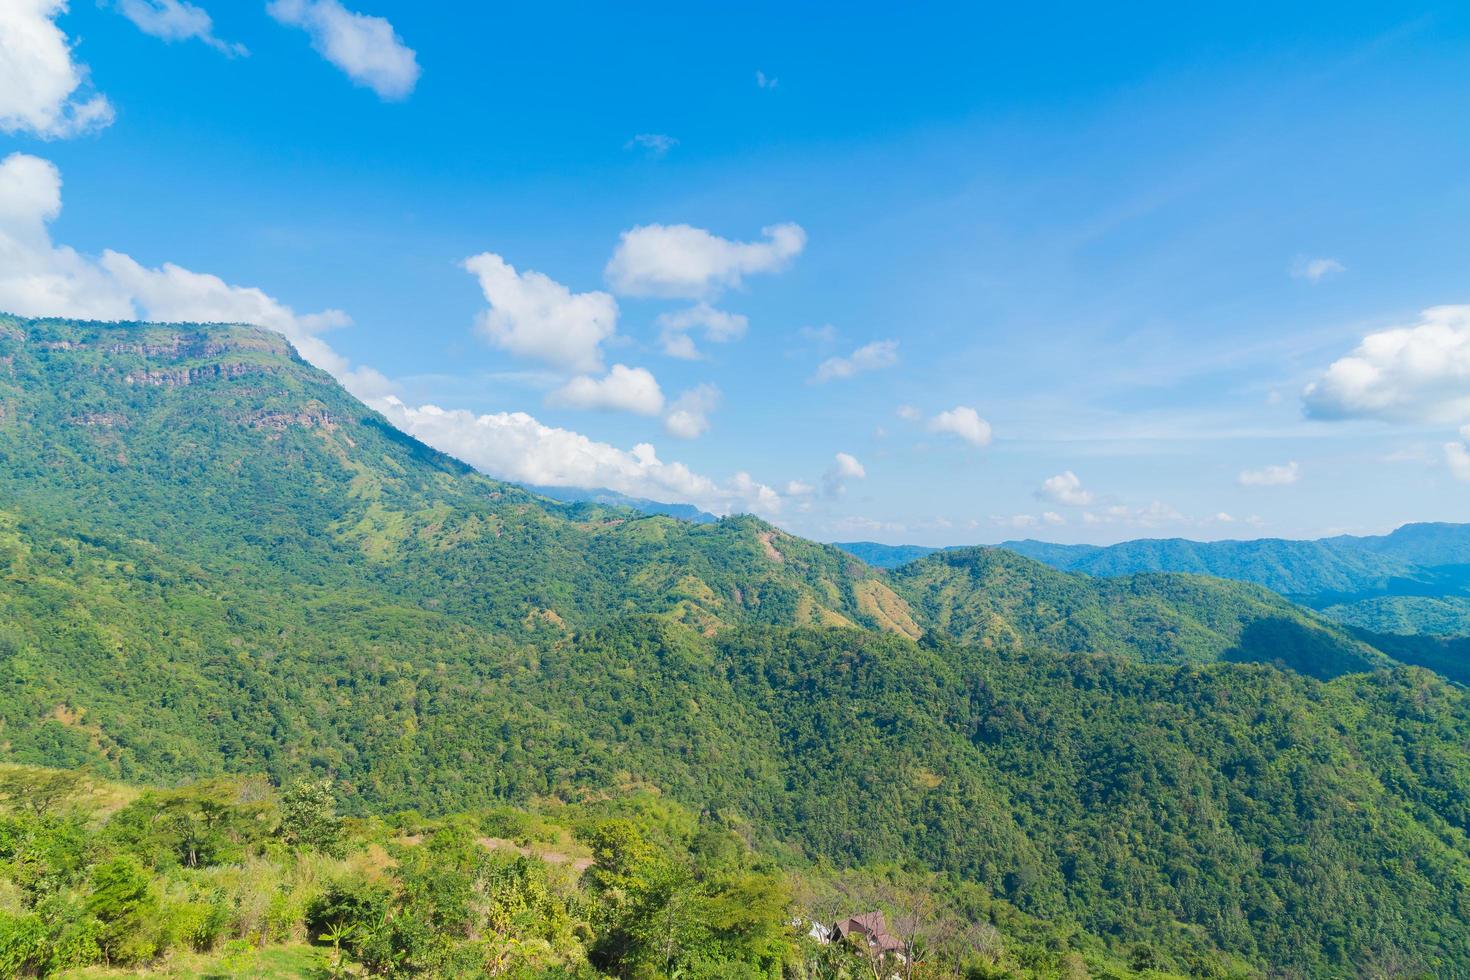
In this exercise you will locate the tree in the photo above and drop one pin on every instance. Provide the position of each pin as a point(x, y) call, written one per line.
point(309, 816)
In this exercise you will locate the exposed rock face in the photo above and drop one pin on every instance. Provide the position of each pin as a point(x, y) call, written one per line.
point(188, 376)
point(309, 418)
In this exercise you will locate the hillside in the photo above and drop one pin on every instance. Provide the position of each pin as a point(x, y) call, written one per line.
point(214, 560)
point(1415, 580)
point(884, 555)
point(995, 598)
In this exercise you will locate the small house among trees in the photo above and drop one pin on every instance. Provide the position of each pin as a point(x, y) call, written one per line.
point(871, 930)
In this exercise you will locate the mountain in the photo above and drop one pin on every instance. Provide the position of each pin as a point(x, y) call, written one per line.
point(1414, 580)
point(611, 498)
point(1287, 567)
point(884, 555)
point(213, 560)
point(995, 598)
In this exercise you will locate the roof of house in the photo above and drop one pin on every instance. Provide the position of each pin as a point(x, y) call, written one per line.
point(873, 927)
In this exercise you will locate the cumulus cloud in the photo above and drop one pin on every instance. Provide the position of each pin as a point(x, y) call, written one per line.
point(718, 326)
point(684, 262)
point(515, 446)
point(366, 48)
point(688, 416)
point(762, 80)
point(964, 422)
point(43, 91)
point(39, 278)
point(1418, 373)
point(844, 467)
point(869, 357)
point(532, 315)
point(1065, 488)
point(908, 413)
point(623, 389)
point(1315, 270)
point(1283, 475)
point(657, 144)
point(176, 20)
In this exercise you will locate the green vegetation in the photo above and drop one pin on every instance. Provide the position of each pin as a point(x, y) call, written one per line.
point(209, 880)
point(214, 562)
point(1415, 580)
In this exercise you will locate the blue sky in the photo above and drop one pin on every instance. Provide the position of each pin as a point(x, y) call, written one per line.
point(1065, 272)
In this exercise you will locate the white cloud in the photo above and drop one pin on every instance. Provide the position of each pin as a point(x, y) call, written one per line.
point(657, 144)
point(42, 89)
point(869, 357)
point(623, 389)
point(366, 48)
point(532, 315)
point(762, 80)
point(1457, 458)
point(514, 446)
point(964, 422)
point(688, 416)
point(684, 262)
point(844, 467)
point(176, 20)
point(1315, 270)
point(1053, 518)
point(1413, 374)
point(718, 326)
point(1065, 488)
point(38, 278)
point(908, 413)
point(824, 334)
point(798, 488)
point(1283, 475)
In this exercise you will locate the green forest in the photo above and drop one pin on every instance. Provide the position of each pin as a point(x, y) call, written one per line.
point(254, 642)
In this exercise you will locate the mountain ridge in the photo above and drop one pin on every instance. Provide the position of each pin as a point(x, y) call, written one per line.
point(231, 566)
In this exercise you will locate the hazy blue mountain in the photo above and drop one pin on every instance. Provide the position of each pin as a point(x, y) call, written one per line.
point(611, 498)
point(1414, 580)
point(884, 555)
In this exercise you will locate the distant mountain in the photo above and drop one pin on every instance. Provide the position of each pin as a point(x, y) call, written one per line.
point(611, 498)
point(884, 555)
point(213, 559)
point(1414, 580)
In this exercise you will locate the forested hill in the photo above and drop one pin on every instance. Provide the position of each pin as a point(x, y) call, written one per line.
point(135, 436)
point(1415, 580)
point(213, 559)
point(1344, 564)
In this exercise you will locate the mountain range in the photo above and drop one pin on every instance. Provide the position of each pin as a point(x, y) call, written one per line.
point(1414, 580)
point(214, 560)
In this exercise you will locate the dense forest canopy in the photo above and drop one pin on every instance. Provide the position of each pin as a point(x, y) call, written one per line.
point(214, 561)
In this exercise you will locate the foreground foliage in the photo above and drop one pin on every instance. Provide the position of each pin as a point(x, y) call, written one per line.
point(206, 878)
